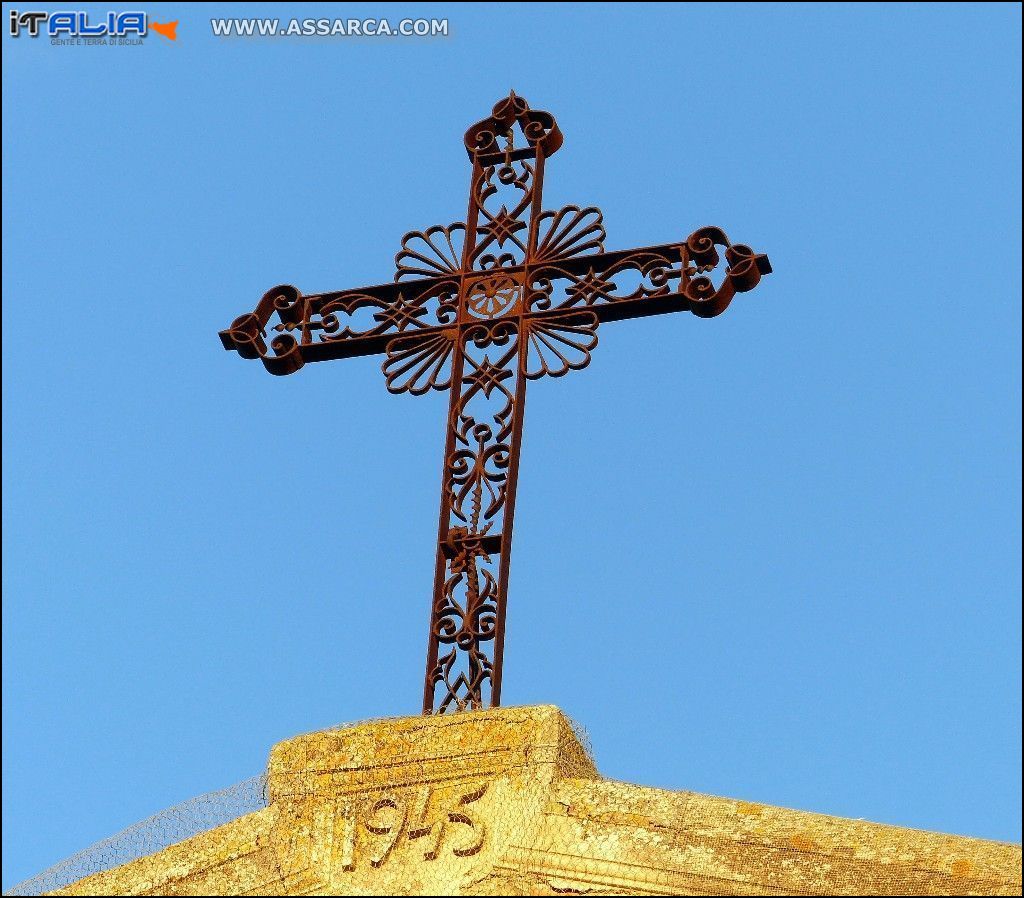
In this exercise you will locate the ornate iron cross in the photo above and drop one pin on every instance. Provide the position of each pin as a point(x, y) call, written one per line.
point(480, 308)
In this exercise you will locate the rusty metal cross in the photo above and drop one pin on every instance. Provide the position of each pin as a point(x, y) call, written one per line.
point(479, 308)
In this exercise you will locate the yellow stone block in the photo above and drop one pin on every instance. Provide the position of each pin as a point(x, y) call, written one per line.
point(508, 802)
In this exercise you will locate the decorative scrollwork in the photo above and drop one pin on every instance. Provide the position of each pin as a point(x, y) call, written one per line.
point(463, 685)
point(478, 473)
point(743, 272)
point(541, 131)
point(399, 315)
point(486, 333)
point(538, 128)
point(416, 307)
point(639, 275)
point(476, 481)
point(248, 333)
point(503, 197)
point(465, 616)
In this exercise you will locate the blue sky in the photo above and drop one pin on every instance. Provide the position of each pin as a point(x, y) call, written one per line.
point(774, 555)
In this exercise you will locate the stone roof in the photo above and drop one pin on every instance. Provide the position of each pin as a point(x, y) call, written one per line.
point(508, 802)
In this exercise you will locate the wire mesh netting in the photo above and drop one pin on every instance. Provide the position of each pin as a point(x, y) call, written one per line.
point(152, 834)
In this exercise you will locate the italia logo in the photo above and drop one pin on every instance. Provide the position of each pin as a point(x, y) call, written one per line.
point(76, 23)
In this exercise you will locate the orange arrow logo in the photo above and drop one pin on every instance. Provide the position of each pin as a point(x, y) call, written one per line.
point(167, 29)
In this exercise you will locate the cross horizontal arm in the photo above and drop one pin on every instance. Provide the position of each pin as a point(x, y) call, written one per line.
point(309, 328)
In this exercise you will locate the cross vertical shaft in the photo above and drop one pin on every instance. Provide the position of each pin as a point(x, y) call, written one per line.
point(481, 460)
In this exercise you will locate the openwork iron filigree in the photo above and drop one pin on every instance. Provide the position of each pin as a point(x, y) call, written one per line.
point(513, 294)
